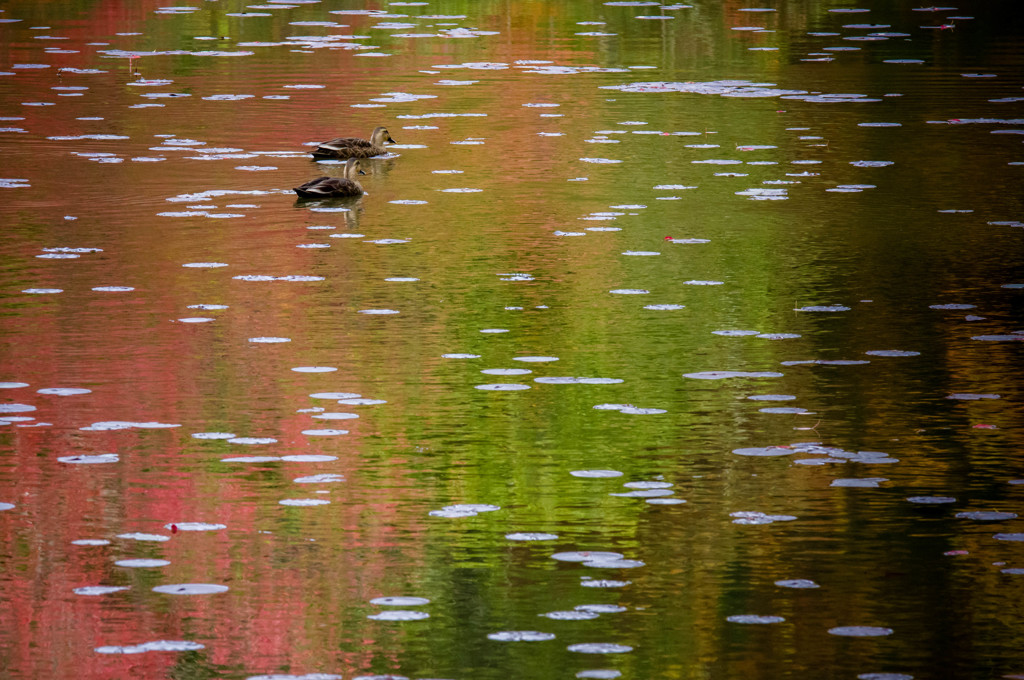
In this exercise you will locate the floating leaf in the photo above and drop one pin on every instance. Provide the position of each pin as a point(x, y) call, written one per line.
point(860, 631)
point(754, 618)
point(599, 648)
point(191, 589)
point(521, 636)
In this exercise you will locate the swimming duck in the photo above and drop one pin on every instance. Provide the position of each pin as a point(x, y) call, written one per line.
point(334, 187)
point(353, 147)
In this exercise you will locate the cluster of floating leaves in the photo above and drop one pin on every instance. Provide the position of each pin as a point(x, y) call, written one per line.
point(459, 510)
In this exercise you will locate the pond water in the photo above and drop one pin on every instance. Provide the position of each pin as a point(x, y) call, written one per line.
point(668, 340)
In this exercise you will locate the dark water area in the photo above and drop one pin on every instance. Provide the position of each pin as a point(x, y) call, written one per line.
point(668, 341)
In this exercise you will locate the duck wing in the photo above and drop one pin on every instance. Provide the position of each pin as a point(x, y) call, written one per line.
point(345, 143)
point(329, 186)
point(347, 147)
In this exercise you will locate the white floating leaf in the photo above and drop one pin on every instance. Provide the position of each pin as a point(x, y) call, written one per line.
point(400, 601)
point(823, 308)
point(144, 537)
point(214, 435)
point(864, 482)
point(311, 457)
point(586, 556)
point(599, 648)
point(90, 459)
point(796, 583)
point(521, 636)
point(931, 500)
point(251, 459)
point(531, 536)
point(860, 631)
point(503, 387)
point(986, 516)
point(195, 526)
point(754, 618)
point(142, 563)
point(596, 474)
point(155, 646)
point(98, 590)
point(325, 478)
point(16, 408)
point(191, 589)
point(571, 615)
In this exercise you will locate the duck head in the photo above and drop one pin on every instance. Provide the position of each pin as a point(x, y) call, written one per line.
point(381, 135)
point(352, 168)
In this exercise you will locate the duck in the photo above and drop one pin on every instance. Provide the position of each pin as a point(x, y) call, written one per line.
point(334, 187)
point(353, 147)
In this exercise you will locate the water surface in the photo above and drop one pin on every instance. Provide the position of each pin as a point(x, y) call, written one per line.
point(503, 415)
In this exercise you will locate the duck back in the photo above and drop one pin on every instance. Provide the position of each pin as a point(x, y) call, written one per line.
point(347, 147)
point(329, 187)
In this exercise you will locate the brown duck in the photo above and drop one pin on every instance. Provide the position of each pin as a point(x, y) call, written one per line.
point(334, 187)
point(353, 147)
